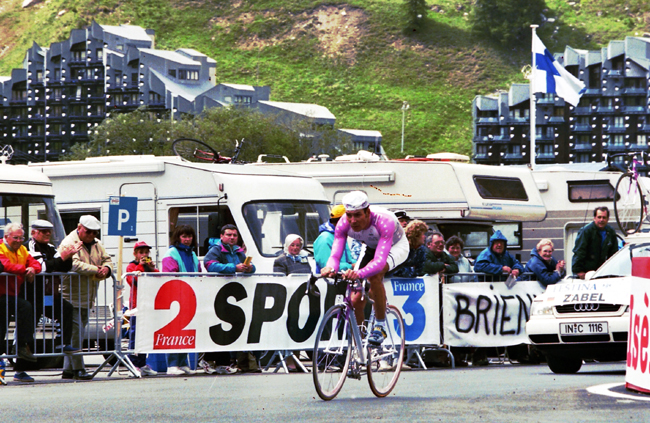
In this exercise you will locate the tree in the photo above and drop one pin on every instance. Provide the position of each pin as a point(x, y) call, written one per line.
point(415, 11)
point(141, 132)
point(506, 21)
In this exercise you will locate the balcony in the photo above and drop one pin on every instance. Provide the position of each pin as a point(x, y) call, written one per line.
point(545, 157)
point(616, 147)
point(634, 91)
point(519, 121)
point(500, 139)
point(605, 109)
point(612, 129)
point(638, 147)
point(582, 111)
point(581, 127)
point(592, 91)
point(634, 110)
point(476, 139)
point(582, 147)
point(556, 119)
point(488, 120)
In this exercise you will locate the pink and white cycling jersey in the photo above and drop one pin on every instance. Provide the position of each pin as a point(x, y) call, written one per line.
point(384, 232)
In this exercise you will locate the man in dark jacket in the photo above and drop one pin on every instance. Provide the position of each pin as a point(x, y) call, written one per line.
point(51, 261)
point(437, 260)
point(496, 261)
point(595, 243)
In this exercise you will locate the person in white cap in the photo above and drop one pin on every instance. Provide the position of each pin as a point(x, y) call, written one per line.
point(386, 248)
point(93, 264)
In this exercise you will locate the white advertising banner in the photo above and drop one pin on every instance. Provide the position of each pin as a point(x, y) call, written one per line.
point(637, 371)
point(187, 313)
point(478, 314)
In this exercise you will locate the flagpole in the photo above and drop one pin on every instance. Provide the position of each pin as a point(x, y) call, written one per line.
point(532, 102)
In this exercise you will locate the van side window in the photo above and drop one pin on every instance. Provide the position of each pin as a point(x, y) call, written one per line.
point(582, 191)
point(206, 221)
point(498, 188)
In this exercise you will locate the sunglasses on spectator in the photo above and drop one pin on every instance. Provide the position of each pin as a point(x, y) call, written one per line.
point(438, 242)
point(45, 231)
point(17, 238)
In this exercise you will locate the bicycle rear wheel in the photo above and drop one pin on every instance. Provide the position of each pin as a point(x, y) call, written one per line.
point(385, 362)
point(629, 204)
point(195, 151)
point(332, 351)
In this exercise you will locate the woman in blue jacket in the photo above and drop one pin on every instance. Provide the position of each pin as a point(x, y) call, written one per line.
point(548, 270)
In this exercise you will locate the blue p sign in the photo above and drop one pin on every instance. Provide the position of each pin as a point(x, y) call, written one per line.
point(122, 216)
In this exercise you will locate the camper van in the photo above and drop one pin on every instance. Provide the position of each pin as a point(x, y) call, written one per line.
point(455, 198)
point(265, 204)
point(570, 193)
point(26, 195)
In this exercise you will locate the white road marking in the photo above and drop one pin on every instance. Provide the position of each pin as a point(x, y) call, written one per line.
point(605, 390)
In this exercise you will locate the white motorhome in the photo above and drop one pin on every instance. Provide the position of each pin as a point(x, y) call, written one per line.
point(570, 193)
point(458, 198)
point(265, 204)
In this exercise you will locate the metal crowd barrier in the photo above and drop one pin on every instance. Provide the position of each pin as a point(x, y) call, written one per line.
point(54, 300)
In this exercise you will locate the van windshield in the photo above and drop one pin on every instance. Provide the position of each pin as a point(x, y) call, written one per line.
point(24, 209)
point(271, 222)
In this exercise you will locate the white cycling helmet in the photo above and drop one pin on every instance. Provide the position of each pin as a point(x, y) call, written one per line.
point(355, 200)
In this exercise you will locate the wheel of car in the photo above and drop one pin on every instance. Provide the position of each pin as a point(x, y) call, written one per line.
point(564, 365)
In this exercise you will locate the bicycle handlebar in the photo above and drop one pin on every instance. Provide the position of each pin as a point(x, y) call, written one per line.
point(338, 277)
point(630, 155)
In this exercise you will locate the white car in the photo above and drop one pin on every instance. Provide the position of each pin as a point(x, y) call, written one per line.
point(578, 319)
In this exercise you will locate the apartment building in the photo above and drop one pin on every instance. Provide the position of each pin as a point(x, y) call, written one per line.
point(613, 115)
point(62, 92)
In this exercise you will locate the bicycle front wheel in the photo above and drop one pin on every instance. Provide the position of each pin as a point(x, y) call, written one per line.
point(195, 151)
point(332, 351)
point(385, 362)
point(629, 206)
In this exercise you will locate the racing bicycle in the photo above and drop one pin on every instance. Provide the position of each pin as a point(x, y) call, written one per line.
point(341, 349)
point(630, 203)
point(199, 152)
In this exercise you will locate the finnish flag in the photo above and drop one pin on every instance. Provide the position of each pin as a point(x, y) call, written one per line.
point(550, 77)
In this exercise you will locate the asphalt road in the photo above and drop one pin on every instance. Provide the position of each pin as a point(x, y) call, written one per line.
point(500, 393)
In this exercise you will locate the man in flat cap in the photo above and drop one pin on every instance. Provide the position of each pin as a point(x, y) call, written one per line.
point(51, 260)
point(93, 264)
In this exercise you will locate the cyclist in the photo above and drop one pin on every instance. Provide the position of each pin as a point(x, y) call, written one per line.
point(386, 247)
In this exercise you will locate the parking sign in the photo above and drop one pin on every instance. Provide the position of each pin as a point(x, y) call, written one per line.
point(122, 214)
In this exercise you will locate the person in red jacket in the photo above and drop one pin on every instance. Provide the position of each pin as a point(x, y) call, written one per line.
point(141, 264)
point(15, 259)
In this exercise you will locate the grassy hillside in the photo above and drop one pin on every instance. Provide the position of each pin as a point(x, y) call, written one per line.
point(352, 57)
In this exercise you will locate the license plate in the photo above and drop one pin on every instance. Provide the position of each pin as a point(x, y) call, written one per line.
point(338, 299)
point(583, 328)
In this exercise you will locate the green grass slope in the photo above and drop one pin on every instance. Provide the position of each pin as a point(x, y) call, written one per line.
point(353, 57)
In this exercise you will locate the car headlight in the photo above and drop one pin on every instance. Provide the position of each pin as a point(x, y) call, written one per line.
point(539, 308)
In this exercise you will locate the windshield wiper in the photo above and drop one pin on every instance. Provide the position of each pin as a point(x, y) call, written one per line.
point(608, 276)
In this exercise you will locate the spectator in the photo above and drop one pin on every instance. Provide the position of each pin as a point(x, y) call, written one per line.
point(403, 218)
point(16, 260)
point(455, 247)
point(437, 260)
point(141, 264)
point(496, 261)
point(416, 232)
point(226, 257)
point(51, 261)
point(548, 270)
point(93, 264)
point(181, 258)
point(294, 259)
point(325, 239)
point(595, 243)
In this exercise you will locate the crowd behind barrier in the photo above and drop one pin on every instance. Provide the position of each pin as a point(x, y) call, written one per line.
point(102, 338)
point(51, 316)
